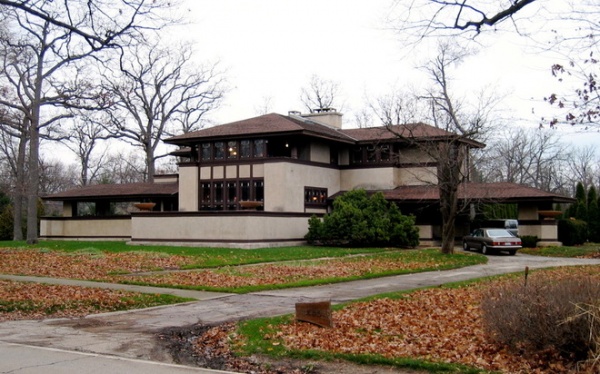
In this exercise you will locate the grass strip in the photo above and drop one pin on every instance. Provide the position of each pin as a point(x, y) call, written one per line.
point(204, 257)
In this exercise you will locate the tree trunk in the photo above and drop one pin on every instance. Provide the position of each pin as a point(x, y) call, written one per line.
point(449, 178)
point(150, 168)
point(19, 191)
point(33, 185)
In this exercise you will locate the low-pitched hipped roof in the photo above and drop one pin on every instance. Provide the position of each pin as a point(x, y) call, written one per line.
point(501, 193)
point(277, 124)
point(414, 131)
point(494, 192)
point(268, 124)
point(117, 191)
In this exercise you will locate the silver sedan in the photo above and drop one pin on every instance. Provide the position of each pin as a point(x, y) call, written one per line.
point(492, 240)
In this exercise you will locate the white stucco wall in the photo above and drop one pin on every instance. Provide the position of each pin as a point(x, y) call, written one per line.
point(218, 228)
point(285, 182)
point(415, 176)
point(113, 227)
point(369, 179)
point(188, 188)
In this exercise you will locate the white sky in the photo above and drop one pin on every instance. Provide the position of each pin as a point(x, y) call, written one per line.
point(271, 48)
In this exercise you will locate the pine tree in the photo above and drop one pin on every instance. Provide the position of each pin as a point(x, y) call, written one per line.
point(593, 215)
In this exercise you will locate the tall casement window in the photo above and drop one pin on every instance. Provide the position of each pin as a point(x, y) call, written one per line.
point(245, 149)
point(232, 149)
point(232, 195)
point(218, 195)
point(205, 196)
point(219, 150)
point(315, 197)
point(260, 148)
point(226, 195)
point(206, 152)
point(259, 190)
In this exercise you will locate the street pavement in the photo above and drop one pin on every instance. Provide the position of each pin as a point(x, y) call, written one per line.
point(130, 338)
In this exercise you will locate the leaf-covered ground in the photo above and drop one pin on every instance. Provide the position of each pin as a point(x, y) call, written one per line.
point(21, 300)
point(438, 324)
point(166, 270)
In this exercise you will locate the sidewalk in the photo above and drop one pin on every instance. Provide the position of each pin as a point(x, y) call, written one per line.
point(132, 334)
point(23, 359)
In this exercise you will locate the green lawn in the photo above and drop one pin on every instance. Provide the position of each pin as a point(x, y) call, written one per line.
point(578, 251)
point(208, 257)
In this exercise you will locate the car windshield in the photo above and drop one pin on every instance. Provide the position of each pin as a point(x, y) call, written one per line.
point(499, 233)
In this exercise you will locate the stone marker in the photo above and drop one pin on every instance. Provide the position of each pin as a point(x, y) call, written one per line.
point(318, 313)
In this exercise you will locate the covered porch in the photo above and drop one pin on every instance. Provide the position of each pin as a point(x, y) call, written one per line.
point(534, 209)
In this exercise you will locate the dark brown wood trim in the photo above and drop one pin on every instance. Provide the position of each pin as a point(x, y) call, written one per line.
point(269, 161)
point(74, 237)
point(188, 163)
point(228, 213)
point(538, 222)
point(219, 240)
point(389, 165)
point(87, 218)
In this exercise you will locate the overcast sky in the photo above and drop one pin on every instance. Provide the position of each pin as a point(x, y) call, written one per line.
point(271, 48)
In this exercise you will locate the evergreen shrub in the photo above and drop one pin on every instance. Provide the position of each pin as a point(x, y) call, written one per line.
point(361, 220)
point(572, 231)
point(529, 241)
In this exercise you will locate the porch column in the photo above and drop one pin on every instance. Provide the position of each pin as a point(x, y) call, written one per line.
point(531, 223)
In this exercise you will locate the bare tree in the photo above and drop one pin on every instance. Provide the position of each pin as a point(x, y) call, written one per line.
point(13, 147)
point(432, 18)
point(55, 176)
point(462, 127)
point(160, 92)
point(321, 94)
point(579, 102)
point(83, 141)
point(534, 158)
point(583, 163)
point(122, 167)
point(265, 107)
point(569, 28)
point(50, 40)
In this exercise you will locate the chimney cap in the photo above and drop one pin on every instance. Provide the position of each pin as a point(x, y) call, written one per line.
point(323, 110)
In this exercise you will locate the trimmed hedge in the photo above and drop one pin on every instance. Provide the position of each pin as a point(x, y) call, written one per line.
point(529, 241)
point(572, 231)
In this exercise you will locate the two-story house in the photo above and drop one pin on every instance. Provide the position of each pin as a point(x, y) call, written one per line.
point(256, 182)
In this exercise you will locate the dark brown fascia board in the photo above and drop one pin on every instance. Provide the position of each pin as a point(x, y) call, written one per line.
point(197, 140)
point(311, 134)
point(107, 197)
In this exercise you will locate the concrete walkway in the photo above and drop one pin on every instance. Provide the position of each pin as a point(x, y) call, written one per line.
point(132, 334)
point(198, 295)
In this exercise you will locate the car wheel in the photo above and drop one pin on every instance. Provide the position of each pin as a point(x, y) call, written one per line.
point(485, 250)
point(512, 253)
point(466, 246)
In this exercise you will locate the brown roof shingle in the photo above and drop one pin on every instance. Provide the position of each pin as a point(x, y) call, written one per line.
point(273, 124)
point(267, 124)
point(493, 192)
point(129, 191)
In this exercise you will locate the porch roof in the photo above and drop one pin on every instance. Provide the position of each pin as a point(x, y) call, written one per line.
point(504, 193)
point(128, 191)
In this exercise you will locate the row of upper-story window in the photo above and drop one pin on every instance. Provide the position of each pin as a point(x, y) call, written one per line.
point(248, 149)
point(233, 150)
